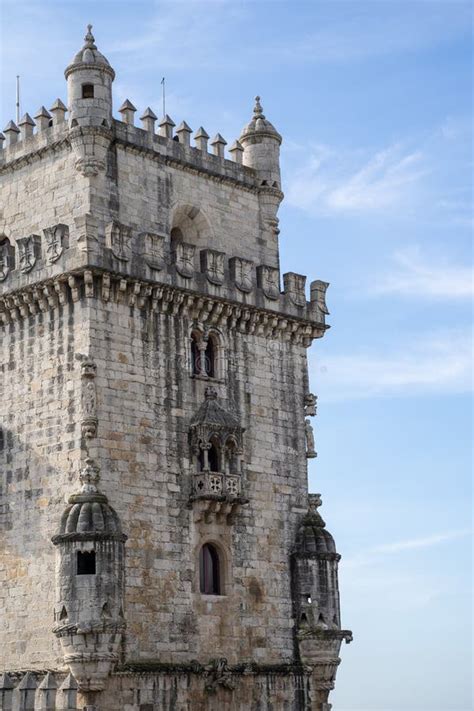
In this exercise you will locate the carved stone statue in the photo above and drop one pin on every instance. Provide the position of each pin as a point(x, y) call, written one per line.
point(310, 450)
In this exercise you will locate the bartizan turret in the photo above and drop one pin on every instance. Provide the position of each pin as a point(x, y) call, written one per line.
point(89, 614)
point(316, 603)
point(89, 86)
point(89, 92)
point(261, 143)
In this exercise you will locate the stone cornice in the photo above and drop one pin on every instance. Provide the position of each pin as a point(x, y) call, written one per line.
point(212, 311)
point(35, 155)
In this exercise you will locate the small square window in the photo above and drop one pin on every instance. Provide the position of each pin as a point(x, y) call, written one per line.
point(86, 562)
point(88, 91)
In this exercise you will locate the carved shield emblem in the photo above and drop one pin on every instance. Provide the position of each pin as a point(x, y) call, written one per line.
point(153, 250)
point(212, 264)
point(269, 281)
point(118, 239)
point(184, 255)
point(29, 250)
point(7, 258)
point(241, 271)
point(56, 240)
point(295, 288)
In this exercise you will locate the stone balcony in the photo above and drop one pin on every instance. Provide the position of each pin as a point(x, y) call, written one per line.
point(216, 496)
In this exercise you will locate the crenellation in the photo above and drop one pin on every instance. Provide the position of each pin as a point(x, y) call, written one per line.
point(11, 133)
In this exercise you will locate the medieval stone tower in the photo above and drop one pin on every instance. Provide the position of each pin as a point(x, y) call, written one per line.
point(158, 547)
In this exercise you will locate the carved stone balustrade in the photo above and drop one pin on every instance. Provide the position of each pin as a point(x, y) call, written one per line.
point(216, 496)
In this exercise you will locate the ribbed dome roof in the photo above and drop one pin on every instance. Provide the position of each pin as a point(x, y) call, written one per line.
point(259, 124)
point(89, 515)
point(312, 537)
point(89, 54)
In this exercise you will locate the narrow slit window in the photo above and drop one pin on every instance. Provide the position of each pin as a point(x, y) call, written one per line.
point(86, 563)
point(88, 91)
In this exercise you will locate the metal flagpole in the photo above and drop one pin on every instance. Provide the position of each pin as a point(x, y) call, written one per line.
point(17, 99)
point(163, 91)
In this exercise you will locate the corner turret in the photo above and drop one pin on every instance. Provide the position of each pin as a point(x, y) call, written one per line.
point(89, 617)
point(89, 86)
point(316, 602)
point(261, 142)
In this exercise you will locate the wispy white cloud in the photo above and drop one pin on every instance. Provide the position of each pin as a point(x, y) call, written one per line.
point(438, 363)
point(418, 543)
point(414, 275)
point(329, 183)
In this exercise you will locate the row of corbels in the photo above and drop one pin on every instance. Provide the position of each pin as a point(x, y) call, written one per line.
point(182, 133)
point(163, 299)
point(43, 120)
point(31, 694)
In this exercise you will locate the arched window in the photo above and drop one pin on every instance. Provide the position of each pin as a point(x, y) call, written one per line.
point(212, 458)
point(210, 357)
point(205, 352)
point(88, 91)
point(195, 355)
point(209, 570)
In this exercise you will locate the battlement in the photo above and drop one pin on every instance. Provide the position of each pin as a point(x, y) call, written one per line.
point(30, 138)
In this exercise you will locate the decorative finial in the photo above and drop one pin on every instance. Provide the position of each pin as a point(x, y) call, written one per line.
point(258, 111)
point(89, 476)
point(89, 39)
point(210, 393)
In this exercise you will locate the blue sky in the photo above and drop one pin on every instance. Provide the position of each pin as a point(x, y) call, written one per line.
point(373, 100)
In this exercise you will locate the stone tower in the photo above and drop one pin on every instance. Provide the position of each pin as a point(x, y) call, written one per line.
point(158, 547)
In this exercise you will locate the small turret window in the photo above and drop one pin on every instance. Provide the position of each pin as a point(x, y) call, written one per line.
point(209, 570)
point(88, 91)
point(86, 562)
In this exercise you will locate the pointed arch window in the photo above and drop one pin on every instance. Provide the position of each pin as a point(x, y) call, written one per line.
point(209, 570)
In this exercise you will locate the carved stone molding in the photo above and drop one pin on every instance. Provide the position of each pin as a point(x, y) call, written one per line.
point(209, 310)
